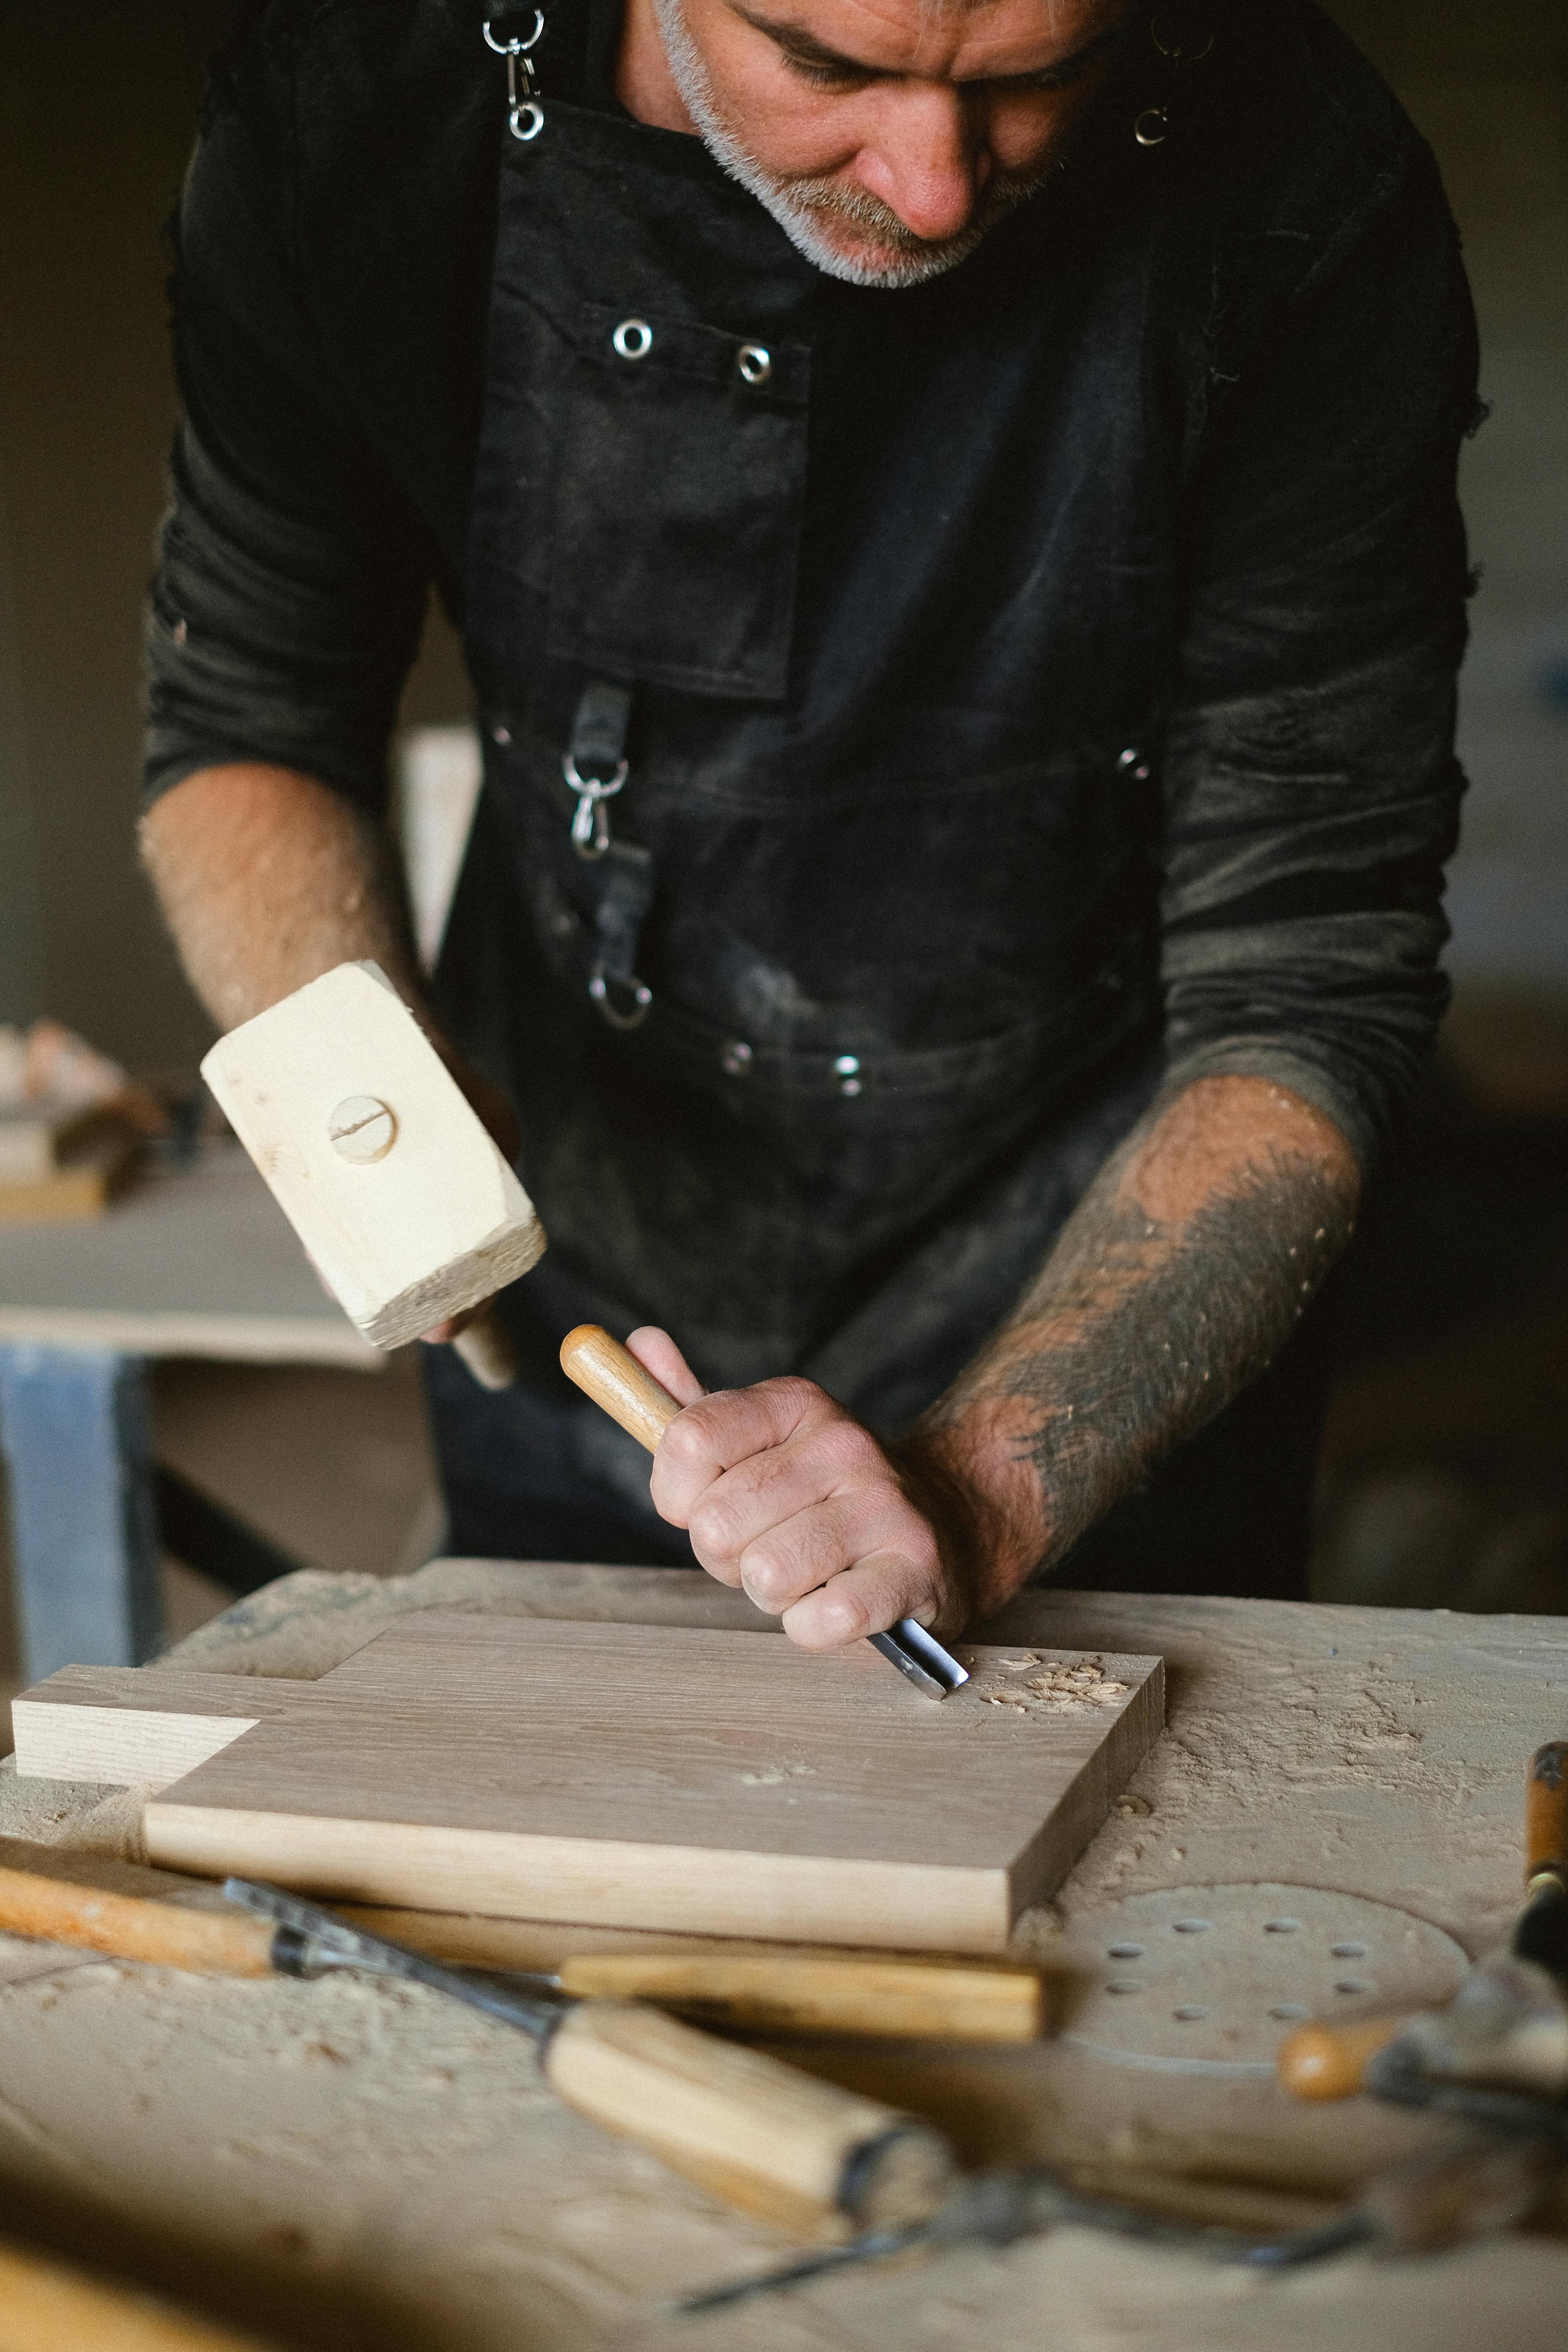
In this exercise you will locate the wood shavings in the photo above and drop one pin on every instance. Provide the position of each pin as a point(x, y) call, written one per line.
point(1049, 1687)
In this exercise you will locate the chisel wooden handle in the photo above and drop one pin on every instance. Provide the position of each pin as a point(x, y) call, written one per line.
point(813, 2158)
point(1330, 2061)
point(45, 2307)
point(896, 1998)
point(207, 1943)
point(1546, 1814)
point(613, 1377)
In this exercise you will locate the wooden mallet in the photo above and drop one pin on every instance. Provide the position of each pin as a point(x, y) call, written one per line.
point(402, 1198)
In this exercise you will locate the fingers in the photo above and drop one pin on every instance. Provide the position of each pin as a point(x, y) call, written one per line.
point(866, 1599)
point(656, 1352)
point(749, 1427)
point(784, 1495)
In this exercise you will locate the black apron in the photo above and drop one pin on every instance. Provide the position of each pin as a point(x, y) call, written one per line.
point(820, 964)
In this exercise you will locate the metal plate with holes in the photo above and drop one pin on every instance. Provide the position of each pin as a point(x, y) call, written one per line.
point(1209, 1979)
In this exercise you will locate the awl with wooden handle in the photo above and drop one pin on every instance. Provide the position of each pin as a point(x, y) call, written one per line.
point(628, 1392)
point(815, 2159)
point(763, 1992)
point(1508, 2024)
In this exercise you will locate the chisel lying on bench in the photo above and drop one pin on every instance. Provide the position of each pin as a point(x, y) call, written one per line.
point(781, 1993)
point(815, 2159)
point(802, 2153)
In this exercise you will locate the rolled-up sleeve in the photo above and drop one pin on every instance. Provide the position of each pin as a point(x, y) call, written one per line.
point(291, 574)
point(1311, 789)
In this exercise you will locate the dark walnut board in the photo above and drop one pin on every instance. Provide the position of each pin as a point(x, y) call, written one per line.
point(652, 1777)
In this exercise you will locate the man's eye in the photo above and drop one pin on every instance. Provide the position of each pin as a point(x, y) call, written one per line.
point(825, 77)
point(1049, 77)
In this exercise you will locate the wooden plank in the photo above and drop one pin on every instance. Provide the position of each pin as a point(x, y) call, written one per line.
point(670, 1779)
point(148, 1725)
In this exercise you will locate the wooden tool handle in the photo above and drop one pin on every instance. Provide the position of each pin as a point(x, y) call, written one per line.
point(45, 2307)
point(613, 1377)
point(1546, 1813)
point(895, 1997)
point(206, 1942)
point(486, 1346)
point(814, 2160)
point(1329, 2061)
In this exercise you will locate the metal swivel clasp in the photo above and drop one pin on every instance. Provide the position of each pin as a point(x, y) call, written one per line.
point(590, 822)
point(523, 112)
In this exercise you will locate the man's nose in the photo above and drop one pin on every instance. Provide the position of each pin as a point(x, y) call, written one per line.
point(929, 162)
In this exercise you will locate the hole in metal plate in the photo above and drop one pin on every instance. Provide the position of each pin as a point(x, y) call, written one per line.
point(1190, 1927)
point(1280, 1927)
point(1350, 1951)
point(1124, 1952)
point(1122, 1984)
point(1289, 2012)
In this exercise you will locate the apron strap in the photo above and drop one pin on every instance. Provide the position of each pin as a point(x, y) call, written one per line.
point(597, 767)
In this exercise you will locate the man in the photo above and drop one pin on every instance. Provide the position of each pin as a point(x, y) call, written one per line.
point(950, 509)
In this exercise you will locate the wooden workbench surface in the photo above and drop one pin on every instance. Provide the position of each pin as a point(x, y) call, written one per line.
point(194, 1261)
point(364, 2165)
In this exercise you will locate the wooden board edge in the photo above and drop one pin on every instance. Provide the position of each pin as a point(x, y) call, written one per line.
point(1061, 1842)
point(593, 1882)
point(229, 1337)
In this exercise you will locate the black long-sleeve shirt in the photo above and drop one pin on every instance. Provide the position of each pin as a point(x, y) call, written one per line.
point(1141, 527)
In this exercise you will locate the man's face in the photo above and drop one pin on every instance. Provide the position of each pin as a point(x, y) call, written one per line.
point(885, 136)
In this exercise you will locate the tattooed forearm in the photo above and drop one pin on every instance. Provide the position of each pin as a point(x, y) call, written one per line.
point(1176, 1282)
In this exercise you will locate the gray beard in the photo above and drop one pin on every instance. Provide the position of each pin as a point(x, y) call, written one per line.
point(802, 206)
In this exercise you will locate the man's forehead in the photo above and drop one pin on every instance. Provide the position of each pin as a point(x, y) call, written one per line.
point(960, 40)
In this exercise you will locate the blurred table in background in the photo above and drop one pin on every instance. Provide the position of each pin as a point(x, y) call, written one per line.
point(198, 1261)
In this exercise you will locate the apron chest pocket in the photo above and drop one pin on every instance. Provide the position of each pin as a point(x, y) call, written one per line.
point(679, 486)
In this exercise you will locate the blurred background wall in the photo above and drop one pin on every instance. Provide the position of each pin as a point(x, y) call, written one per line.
point(1446, 1466)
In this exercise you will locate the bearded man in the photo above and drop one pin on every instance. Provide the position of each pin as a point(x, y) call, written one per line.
point(950, 505)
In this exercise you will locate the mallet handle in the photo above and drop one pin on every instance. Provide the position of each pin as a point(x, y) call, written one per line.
point(813, 2158)
point(485, 1346)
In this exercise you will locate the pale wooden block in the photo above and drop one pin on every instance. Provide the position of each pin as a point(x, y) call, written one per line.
point(125, 1725)
point(429, 1224)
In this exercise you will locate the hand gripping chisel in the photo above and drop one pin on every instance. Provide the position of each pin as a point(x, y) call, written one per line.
point(613, 1377)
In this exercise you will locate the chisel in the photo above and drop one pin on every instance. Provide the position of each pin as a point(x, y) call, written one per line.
point(1508, 2024)
point(613, 1377)
point(770, 1992)
point(813, 2159)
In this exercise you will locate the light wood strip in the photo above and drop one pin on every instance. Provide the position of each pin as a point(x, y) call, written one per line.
point(125, 1725)
point(800, 1898)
